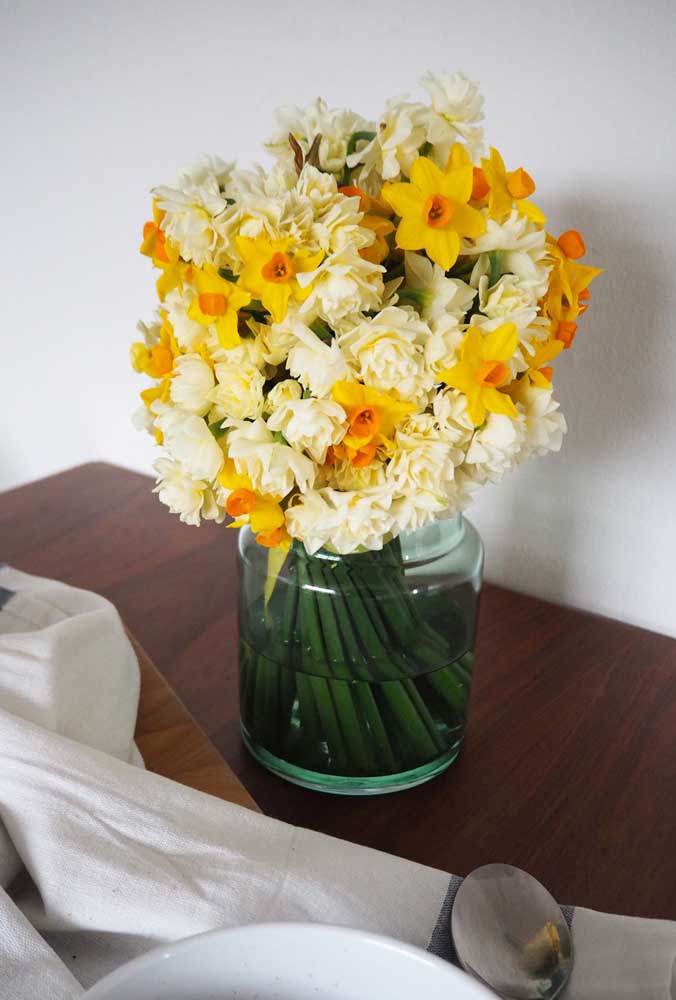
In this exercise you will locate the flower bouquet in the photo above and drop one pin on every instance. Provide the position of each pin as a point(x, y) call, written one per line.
point(347, 346)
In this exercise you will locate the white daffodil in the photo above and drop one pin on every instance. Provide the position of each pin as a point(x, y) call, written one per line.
point(189, 441)
point(345, 521)
point(238, 392)
point(286, 391)
point(191, 213)
point(343, 285)
point(273, 468)
point(450, 411)
point(494, 448)
point(334, 125)
point(457, 108)
point(310, 425)
point(188, 333)
point(193, 499)
point(523, 252)
point(543, 423)
point(317, 365)
point(400, 132)
point(508, 300)
point(191, 384)
point(386, 351)
point(420, 463)
point(436, 295)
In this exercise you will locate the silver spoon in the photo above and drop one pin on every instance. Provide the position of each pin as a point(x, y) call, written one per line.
point(510, 933)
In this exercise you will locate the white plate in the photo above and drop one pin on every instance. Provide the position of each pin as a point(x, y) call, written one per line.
point(288, 962)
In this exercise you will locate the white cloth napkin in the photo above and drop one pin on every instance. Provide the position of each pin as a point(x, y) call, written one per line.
point(112, 859)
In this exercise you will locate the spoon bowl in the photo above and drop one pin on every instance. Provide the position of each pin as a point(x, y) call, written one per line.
point(509, 932)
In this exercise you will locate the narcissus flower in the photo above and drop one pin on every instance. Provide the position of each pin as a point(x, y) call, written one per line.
point(155, 243)
point(372, 416)
point(270, 272)
point(216, 304)
point(433, 210)
point(156, 359)
point(568, 292)
point(482, 371)
point(376, 218)
point(507, 190)
point(539, 369)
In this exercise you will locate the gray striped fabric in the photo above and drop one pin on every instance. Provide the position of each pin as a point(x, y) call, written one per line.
point(441, 943)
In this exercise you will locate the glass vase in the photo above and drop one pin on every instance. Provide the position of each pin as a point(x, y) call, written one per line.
point(355, 671)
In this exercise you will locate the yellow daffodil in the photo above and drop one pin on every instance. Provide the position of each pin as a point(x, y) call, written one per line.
point(540, 371)
point(507, 190)
point(216, 304)
point(164, 255)
point(270, 270)
point(155, 243)
point(377, 218)
point(373, 416)
point(263, 514)
point(433, 209)
point(481, 371)
point(157, 361)
point(568, 292)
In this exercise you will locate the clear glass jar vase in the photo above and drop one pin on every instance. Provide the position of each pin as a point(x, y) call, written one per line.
point(355, 671)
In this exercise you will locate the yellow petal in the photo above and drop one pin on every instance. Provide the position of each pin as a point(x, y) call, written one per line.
point(501, 344)
point(226, 328)
point(426, 175)
point(475, 406)
point(442, 246)
point(350, 395)
point(266, 515)
point(275, 298)
point(538, 379)
point(499, 402)
point(411, 234)
point(530, 211)
point(468, 221)
point(196, 314)
point(472, 347)
point(404, 199)
point(458, 157)
point(457, 184)
point(461, 376)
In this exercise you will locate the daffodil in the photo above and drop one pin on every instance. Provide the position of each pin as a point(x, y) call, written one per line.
point(507, 190)
point(216, 304)
point(376, 218)
point(164, 255)
point(270, 272)
point(158, 360)
point(539, 369)
point(372, 418)
point(568, 291)
point(433, 209)
point(482, 371)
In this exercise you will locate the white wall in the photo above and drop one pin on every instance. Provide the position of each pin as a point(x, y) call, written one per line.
point(99, 101)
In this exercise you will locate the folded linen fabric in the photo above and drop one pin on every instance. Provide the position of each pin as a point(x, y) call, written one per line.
point(116, 860)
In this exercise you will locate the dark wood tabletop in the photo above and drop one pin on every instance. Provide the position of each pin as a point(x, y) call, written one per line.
point(569, 768)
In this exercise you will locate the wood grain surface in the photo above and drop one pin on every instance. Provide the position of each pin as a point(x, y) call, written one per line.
point(174, 745)
point(569, 769)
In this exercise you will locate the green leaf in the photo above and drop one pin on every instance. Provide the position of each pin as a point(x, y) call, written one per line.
point(351, 148)
point(279, 438)
point(324, 332)
point(218, 430)
point(226, 273)
point(495, 257)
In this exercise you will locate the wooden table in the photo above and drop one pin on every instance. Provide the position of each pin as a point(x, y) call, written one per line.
point(570, 764)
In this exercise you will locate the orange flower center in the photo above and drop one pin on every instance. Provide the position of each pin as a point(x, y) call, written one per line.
point(572, 244)
point(492, 374)
point(480, 186)
point(156, 238)
point(438, 211)
point(520, 184)
point(365, 422)
point(547, 372)
point(163, 360)
point(566, 332)
point(213, 304)
point(278, 269)
point(271, 539)
point(240, 502)
point(364, 456)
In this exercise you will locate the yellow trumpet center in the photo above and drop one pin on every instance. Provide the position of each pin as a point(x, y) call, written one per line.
point(213, 304)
